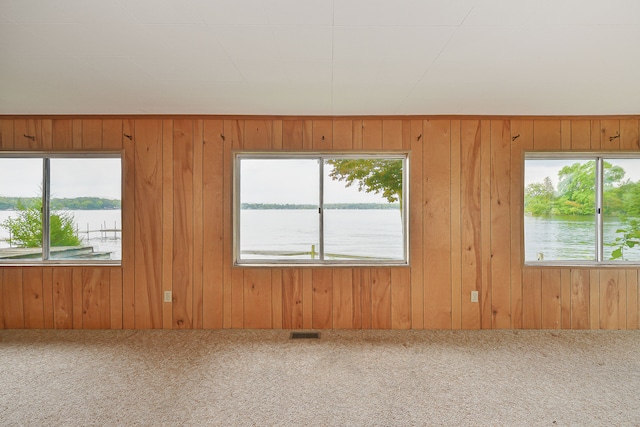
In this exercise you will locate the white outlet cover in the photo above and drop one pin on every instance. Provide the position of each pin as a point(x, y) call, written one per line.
point(474, 296)
point(167, 296)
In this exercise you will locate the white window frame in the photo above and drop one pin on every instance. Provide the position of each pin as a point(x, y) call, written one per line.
point(238, 156)
point(599, 157)
point(46, 211)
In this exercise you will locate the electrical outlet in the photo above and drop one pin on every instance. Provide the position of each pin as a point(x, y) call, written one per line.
point(474, 296)
point(167, 296)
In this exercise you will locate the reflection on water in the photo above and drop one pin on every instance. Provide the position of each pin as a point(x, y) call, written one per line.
point(564, 238)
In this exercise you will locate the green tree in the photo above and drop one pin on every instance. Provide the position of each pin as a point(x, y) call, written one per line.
point(26, 228)
point(576, 186)
point(379, 176)
point(539, 197)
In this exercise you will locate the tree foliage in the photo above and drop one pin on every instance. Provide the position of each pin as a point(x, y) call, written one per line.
point(576, 192)
point(26, 228)
point(379, 176)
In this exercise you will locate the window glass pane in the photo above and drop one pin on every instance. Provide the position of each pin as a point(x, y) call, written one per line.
point(621, 203)
point(363, 216)
point(279, 209)
point(85, 208)
point(20, 214)
point(559, 210)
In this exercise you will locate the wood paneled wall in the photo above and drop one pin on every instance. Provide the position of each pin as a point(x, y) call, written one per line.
point(466, 196)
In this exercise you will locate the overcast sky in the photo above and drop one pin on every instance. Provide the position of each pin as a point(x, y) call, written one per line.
point(80, 177)
point(294, 181)
point(537, 170)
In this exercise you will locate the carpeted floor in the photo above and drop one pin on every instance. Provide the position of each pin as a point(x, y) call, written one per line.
point(264, 378)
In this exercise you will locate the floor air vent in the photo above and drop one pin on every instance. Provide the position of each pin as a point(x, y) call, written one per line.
point(304, 335)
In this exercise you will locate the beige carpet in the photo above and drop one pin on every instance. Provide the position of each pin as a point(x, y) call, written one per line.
point(386, 378)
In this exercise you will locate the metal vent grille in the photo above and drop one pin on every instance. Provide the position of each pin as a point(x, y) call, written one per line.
point(304, 335)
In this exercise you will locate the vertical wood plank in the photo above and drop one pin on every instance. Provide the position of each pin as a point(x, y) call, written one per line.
point(629, 134)
point(62, 134)
point(292, 298)
point(47, 134)
point(521, 140)
point(381, 298)
point(258, 135)
point(32, 298)
point(633, 316)
point(580, 134)
point(128, 225)
point(76, 139)
point(322, 134)
point(371, 135)
point(212, 205)
point(96, 310)
point(342, 135)
point(358, 128)
point(392, 134)
point(401, 298)
point(292, 135)
point(356, 289)
point(565, 298)
point(437, 224)
point(610, 134)
point(609, 299)
point(307, 298)
point(276, 299)
point(322, 299)
point(112, 134)
point(307, 134)
point(47, 297)
point(456, 229)
point(235, 131)
point(551, 306)
point(12, 298)
point(277, 139)
point(183, 233)
point(91, 134)
point(257, 298)
point(230, 138)
point(500, 224)
point(565, 134)
point(594, 299)
point(198, 224)
point(416, 238)
point(531, 299)
point(27, 135)
point(167, 221)
point(77, 297)
point(546, 135)
point(62, 298)
point(363, 279)
point(470, 221)
point(622, 300)
point(115, 296)
point(580, 313)
point(148, 224)
point(6, 134)
point(342, 298)
point(596, 137)
point(485, 225)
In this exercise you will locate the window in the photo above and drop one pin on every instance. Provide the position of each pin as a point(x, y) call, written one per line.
point(582, 208)
point(60, 208)
point(320, 209)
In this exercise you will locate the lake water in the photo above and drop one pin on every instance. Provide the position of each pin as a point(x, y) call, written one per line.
point(570, 238)
point(355, 233)
point(349, 234)
point(87, 220)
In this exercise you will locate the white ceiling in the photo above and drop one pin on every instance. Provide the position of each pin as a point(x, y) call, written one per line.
point(320, 57)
